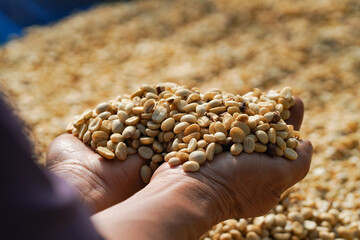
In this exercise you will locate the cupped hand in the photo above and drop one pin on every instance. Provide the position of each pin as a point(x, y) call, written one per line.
point(101, 183)
point(247, 185)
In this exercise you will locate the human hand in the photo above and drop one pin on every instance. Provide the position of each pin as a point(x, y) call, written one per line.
point(101, 183)
point(247, 185)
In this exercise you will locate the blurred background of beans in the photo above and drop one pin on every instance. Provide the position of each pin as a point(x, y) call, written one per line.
point(55, 72)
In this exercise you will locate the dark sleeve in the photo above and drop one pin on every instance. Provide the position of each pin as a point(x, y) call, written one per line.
point(34, 203)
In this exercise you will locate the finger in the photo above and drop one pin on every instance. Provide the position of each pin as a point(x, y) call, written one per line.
point(64, 146)
point(296, 114)
point(300, 166)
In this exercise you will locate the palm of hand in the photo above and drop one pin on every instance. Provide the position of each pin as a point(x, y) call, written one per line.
point(101, 183)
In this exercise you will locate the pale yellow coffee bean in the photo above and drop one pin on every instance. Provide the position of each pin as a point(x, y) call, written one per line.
point(191, 129)
point(149, 105)
point(233, 110)
point(121, 151)
point(279, 107)
point(93, 144)
point(181, 105)
point(137, 134)
point(122, 115)
point(87, 137)
point(193, 97)
point(280, 143)
point(105, 153)
point(249, 145)
point(137, 93)
point(218, 149)
point(117, 126)
point(285, 115)
point(237, 135)
point(197, 156)
point(290, 154)
point(210, 151)
point(291, 143)
point(69, 127)
point(180, 127)
point(128, 132)
point(272, 135)
point(262, 136)
point(145, 152)
point(104, 115)
point(209, 96)
point(174, 161)
point(263, 127)
point(282, 134)
point(98, 136)
point(141, 128)
point(134, 143)
point(111, 145)
point(183, 156)
point(132, 121)
point(279, 152)
point(188, 118)
point(159, 115)
point(243, 127)
point(190, 107)
point(148, 88)
point(160, 136)
point(242, 117)
point(252, 236)
point(192, 145)
point(106, 126)
point(195, 135)
point(286, 93)
point(259, 147)
point(157, 158)
point(191, 166)
point(95, 124)
point(168, 124)
point(153, 126)
point(201, 110)
point(229, 103)
point(201, 144)
point(219, 136)
point(218, 110)
point(253, 136)
point(213, 103)
point(209, 138)
point(263, 111)
point(169, 155)
point(146, 140)
point(254, 107)
point(282, 236)
point(102, 143)
point(178, 116)
point(236, 149)
point(168, 136)
point(151, 95)
point(145, 173)
point(212, 128)
point(284, 103)
point(219, 127)
point(184, 93)
point(102, 107)
point(203, 121)
point(87, 114)
point(83, 129)
point(129, 107)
